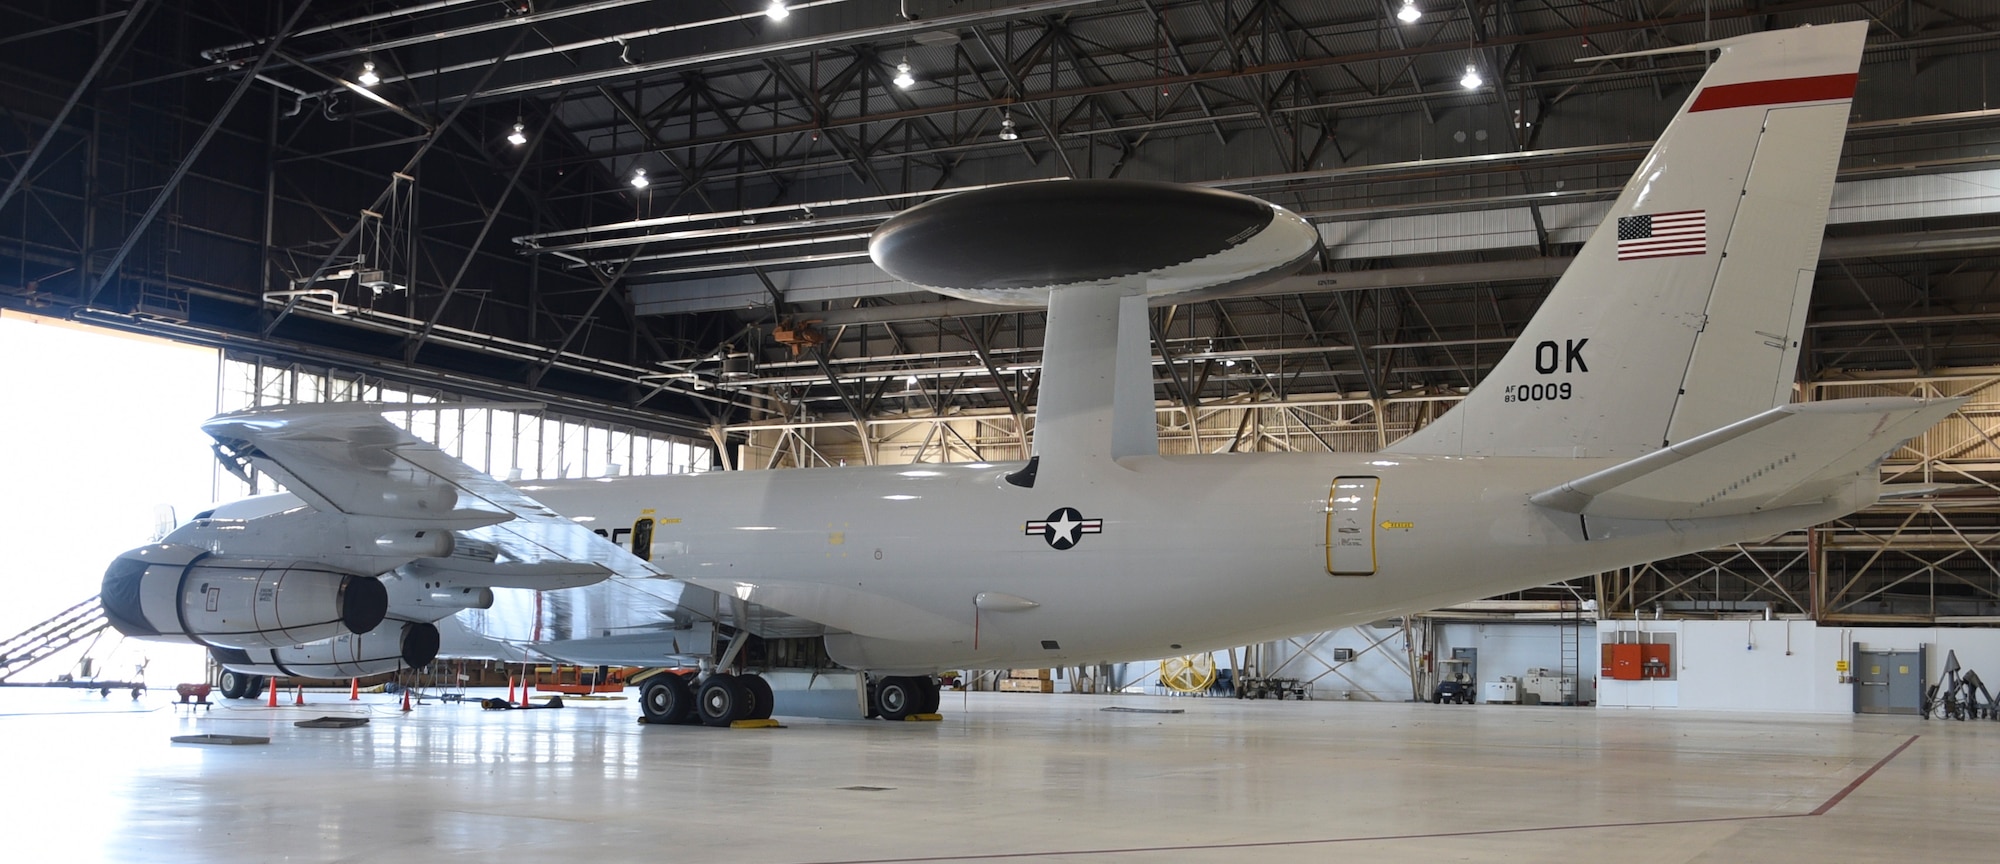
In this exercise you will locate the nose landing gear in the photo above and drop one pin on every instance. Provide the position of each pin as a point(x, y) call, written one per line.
point(901, 697)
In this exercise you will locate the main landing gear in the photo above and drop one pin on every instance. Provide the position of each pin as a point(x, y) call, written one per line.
point(723, 698)
point(236, 685)
point(900, 697)
point(718, 700)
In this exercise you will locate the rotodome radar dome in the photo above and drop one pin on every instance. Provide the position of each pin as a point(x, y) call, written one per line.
point(1012, 244)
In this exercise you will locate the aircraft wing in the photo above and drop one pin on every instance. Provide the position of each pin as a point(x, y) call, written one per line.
point(347, 458)
point(1789, 455)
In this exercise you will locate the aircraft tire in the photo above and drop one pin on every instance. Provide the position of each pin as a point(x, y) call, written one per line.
point(927, 687)
point(255, 686)
point(759, 691)
point(898, 697)
point(666, 698)
point(234, 684)
point(722, 700)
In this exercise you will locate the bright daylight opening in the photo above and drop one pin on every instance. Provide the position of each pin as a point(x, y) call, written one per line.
point(106, 434)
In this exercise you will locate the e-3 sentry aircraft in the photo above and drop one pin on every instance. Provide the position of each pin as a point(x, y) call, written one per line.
point(1643, 413)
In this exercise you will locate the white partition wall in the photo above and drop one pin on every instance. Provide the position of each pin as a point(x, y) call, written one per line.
point(1779, 666)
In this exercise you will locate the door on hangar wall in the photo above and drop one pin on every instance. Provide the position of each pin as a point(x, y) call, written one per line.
point(1888, 682)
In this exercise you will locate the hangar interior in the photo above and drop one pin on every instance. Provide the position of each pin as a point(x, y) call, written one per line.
point(650, 219)
point(654, 220)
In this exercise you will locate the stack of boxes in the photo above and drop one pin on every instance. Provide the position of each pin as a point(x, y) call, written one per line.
point(1027, 681)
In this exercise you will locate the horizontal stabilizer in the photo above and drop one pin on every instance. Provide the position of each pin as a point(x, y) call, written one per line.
point(1789, 455)
point(1922, 491)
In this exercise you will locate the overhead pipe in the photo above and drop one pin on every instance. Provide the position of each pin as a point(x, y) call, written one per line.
point(784, 47)
point(617, 39)
point(807, 207)
point(744, 247)
point(222, 52)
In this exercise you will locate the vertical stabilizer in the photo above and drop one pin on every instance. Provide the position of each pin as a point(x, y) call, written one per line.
point(1684, 311)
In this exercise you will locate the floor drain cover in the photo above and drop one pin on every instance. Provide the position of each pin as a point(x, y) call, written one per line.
point(332, 723)
point(867, 788)
point(221, 739)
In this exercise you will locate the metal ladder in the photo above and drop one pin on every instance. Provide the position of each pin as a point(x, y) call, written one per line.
point(1571, 630)
point(38, 643)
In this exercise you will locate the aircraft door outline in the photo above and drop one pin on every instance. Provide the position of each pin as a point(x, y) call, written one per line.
point(642, 537)
point(1350, 525)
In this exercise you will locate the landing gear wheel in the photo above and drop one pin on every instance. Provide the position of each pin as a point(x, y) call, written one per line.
point(897, 697)
point(255, 687)
point(759, 691)
point(722, 700)
point(666, 698)
point(927, 687)
point(234, 684)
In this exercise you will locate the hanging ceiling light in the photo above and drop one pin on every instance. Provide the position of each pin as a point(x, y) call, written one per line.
point(1410, 13)
point(903, 78)
point(368, 77)
point(1471, 81)
point(777, 11)
point(1007, 132)
point(519, 136)
point(639, 180)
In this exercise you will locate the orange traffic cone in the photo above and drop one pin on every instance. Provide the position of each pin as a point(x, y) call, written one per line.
point(406, 699)
point(299, 694)
point(353, 689)
point(510, 689)
point(271, 700)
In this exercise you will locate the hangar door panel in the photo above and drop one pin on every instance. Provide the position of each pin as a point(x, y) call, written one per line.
point(1350, 526)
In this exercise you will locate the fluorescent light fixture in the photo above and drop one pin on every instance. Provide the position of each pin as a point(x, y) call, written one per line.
point(519, 136)
point(777, 11)
point(368, 77)
point(639, 180)
point(899, 497)
point(1007, 132)
point(903, 78)
point(1410, 13)
point(1471, 81)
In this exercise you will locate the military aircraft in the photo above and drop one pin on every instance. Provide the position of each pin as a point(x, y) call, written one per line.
point(1644, 412)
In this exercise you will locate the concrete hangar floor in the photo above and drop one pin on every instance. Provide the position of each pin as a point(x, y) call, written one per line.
point(1016, 777)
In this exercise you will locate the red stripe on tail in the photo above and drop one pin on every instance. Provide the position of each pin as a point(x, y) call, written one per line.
point(1779, 92)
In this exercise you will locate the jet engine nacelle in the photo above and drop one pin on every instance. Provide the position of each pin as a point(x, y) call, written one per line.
point(182, 593)
point(356, 655)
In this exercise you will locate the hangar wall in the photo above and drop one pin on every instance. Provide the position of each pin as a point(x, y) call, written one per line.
point(1780, 666)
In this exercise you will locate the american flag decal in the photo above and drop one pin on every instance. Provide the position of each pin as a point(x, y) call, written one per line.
point(1663, 235)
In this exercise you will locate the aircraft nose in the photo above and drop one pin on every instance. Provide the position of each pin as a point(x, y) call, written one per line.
point(120, 595)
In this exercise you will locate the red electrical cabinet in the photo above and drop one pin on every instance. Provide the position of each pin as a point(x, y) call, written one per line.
point(1623, 661)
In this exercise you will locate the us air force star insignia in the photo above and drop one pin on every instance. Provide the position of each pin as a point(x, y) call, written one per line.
point(1064, 527)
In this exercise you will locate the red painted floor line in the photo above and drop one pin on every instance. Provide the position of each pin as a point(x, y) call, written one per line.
point(1322, 841)
point(1821, 810)
point(1843, 793)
